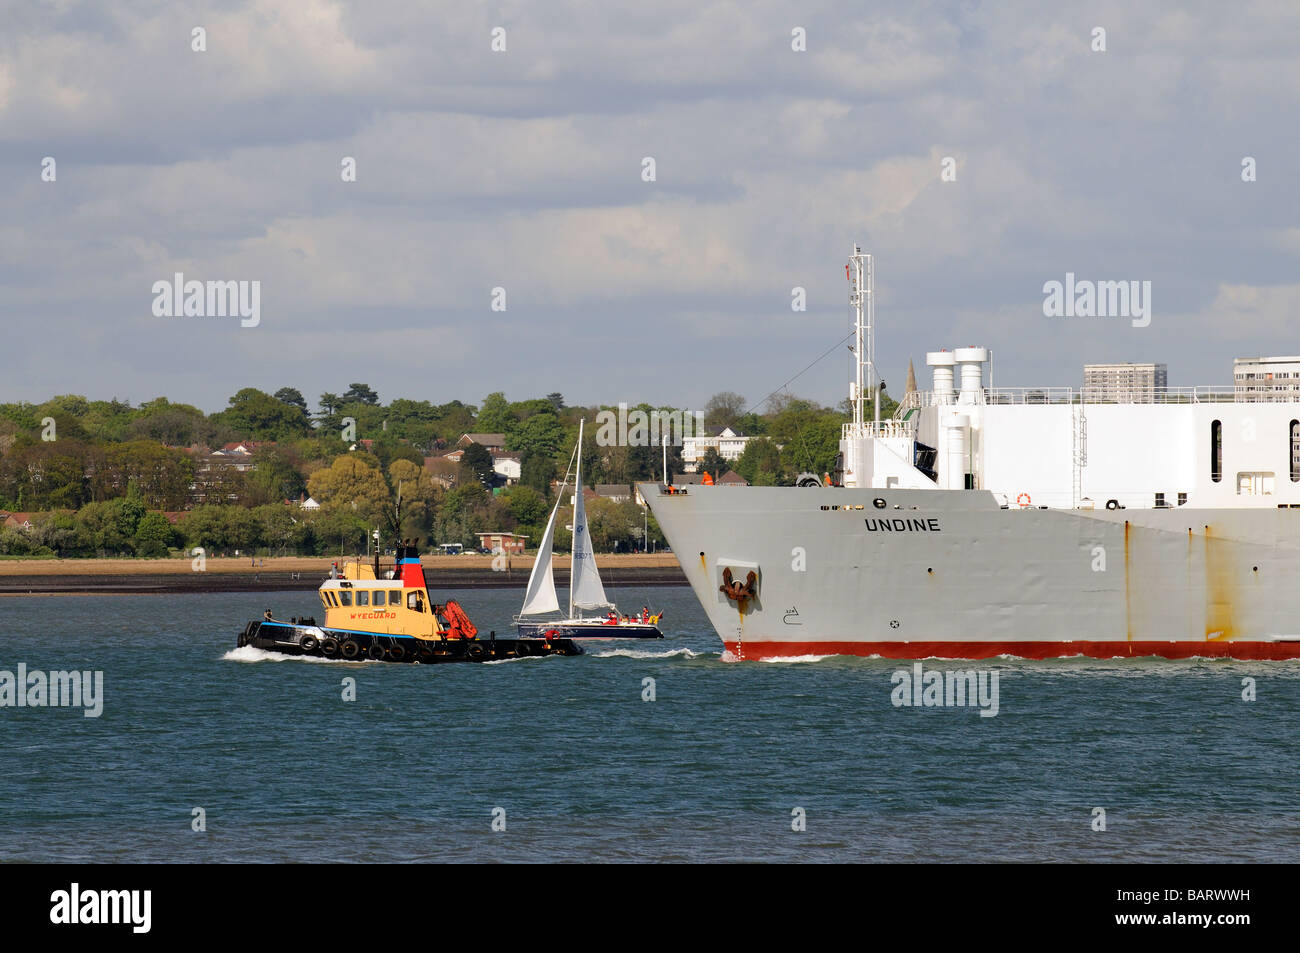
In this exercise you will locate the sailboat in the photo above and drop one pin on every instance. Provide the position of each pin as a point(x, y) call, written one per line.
point(586, 591)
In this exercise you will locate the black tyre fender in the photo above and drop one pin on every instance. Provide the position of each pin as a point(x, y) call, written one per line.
point(376, 651)
point(350, 649)
point(474, 650)
point(522, 647)
point(329, 647)
point(397, 653)
point(308, 643)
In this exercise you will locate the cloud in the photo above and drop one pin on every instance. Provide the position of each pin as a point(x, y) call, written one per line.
point(523, 170)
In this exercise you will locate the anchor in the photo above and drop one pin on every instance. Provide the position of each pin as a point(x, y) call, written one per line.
point(737, 592)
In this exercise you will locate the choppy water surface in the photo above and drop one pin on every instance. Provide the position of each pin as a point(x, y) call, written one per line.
point(585, 769)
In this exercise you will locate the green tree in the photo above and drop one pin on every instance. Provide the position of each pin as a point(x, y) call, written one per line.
point(260, 416)
point(329, 404)
point(419, 499)
point(177, 425)
point(293, 396)
point(495, 416)
point(761, 464)
point(613, 526)
point(161, 476)
point(351, 485)
point(712, 463)
point(108, 419)
point(340, 532)
point(526, 505)
point(810, 439)
point(360, 394)
point(204, 526)
point(153, 535)
point(538, 440)
point(477, 459)
point(275, 477)
point(282, 529)
point(243, 530)
point(111, 525)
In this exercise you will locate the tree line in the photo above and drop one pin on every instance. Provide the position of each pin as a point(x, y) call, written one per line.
point(105, 472)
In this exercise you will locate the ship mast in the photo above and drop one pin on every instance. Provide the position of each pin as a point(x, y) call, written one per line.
point(862, 286)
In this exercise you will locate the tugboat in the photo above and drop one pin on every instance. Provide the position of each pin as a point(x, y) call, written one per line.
point(391, 618)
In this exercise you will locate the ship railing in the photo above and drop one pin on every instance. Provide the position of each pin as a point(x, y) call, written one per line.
point(886, 428)
point(1101, 395)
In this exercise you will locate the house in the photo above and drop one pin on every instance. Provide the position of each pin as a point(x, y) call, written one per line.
point(729, 444)
point(687, 479)
point(502, 542)
point(244, 449)
point(618, 492)
point(442, 471)
point(490, 441)
point(19, 521)
point(308, 504)
point(237, 455)
point(731, 478)
point(213, 470)
point(507, 465)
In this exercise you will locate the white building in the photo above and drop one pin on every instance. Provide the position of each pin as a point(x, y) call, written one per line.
point(508, 466)
point(729, 444)
point(1124, 383)
point(1266, 378)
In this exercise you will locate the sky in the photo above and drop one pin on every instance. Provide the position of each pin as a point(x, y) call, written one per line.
point(524, 169)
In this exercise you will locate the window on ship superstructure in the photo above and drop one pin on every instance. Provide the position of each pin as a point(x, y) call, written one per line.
point(1295, 451)
point(363, 598)
point(1216, 451)
point(345, 597)
point(394, 597)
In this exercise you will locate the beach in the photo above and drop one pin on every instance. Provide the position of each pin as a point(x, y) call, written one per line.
point(281, 573)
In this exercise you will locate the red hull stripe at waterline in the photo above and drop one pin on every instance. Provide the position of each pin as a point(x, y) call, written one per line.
point(1030, 650)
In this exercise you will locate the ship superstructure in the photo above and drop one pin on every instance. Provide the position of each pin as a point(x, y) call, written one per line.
point(1035, 521)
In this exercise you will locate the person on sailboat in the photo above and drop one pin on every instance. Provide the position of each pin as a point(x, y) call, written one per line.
point(612, 618)
point(645, 613)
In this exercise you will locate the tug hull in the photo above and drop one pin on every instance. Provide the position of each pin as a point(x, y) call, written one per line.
point(306, 638)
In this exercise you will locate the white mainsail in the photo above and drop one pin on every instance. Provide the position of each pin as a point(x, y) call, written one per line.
point(540, 595)
point(585, 588)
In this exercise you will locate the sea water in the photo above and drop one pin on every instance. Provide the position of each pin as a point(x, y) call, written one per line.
point(652, 751)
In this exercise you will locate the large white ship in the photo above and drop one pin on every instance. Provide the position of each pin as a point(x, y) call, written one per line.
point(1034, 522)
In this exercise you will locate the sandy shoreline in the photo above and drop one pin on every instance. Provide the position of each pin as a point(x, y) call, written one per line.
point(313, 564)
point(238, 574)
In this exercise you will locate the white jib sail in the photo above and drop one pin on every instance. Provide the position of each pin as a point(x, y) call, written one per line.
point(585, 588)
point(540, 596)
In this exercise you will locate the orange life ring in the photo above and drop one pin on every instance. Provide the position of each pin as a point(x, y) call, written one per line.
point(1022, 500)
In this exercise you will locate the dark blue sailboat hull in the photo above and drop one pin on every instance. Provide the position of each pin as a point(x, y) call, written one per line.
point(587, 629)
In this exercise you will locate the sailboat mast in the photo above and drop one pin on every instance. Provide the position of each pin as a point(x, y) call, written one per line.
point(573, 550)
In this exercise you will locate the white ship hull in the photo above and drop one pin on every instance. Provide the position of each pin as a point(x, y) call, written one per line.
point(950, 573)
